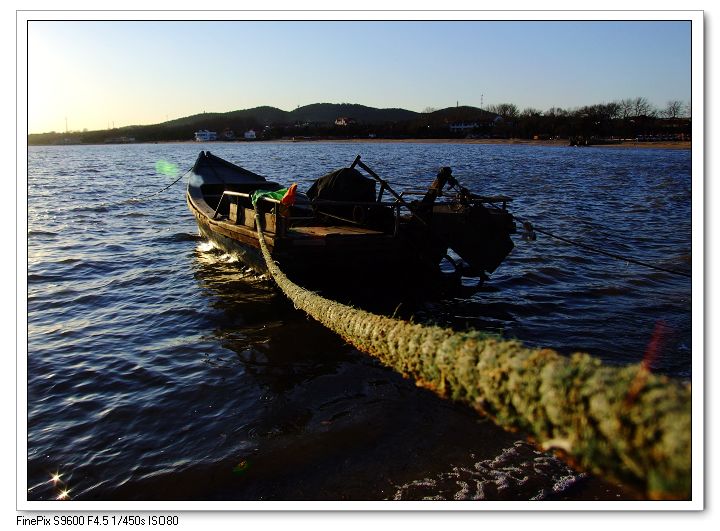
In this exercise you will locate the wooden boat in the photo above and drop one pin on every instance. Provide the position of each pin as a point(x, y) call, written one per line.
point(343, 227)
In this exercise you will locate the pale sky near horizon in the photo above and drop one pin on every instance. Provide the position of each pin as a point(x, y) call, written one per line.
point(97, 74)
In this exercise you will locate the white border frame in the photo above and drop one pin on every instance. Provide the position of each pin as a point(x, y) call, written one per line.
point(698, 331)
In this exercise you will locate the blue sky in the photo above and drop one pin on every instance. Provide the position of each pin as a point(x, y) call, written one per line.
point(97, 74)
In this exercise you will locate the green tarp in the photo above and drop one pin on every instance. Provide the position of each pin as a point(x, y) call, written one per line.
point(277, 194)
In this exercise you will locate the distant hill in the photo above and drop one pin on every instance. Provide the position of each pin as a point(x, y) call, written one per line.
point(328, 112)
point(319, 118)
point(460, 113)
point(313, 113)
point(264, 115)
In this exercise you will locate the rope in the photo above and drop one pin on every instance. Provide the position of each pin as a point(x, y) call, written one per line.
point(145, 198)
point(606, 253)
point(168, 186)
point(624, 423)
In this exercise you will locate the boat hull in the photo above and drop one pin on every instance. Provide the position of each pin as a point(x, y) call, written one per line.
point(318, 259)
point(249, 255)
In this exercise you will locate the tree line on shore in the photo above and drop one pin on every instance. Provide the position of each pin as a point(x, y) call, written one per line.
point(627, 118)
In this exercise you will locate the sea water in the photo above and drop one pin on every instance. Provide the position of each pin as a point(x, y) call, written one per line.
point(159, 368)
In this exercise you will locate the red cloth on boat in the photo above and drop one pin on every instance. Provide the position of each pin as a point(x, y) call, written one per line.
point(289, 198)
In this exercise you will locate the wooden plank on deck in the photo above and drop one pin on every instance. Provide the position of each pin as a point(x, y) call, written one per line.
point(324, 232)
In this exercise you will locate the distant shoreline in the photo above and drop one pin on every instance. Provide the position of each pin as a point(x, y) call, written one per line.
point(674, 144)
point(669, 144)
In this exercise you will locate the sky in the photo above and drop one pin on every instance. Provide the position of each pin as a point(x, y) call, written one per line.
point(100, 74)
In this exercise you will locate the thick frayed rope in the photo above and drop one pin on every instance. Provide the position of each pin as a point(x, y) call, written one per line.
point(621, 422)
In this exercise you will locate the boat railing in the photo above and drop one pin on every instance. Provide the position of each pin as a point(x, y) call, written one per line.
point(270, 200)
point(354, 203)
point(228, 193)
point(281, 221)
point(399, 206)
point(241, 195)
point(491, 199)
point(384, 185)
point(396, 206)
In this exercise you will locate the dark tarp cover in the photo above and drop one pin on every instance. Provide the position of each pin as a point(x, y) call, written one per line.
point(345, 184)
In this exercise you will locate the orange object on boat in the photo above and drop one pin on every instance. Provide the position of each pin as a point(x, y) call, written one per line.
point(289, 198)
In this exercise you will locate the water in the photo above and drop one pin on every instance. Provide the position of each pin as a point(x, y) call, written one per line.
point(159, 369)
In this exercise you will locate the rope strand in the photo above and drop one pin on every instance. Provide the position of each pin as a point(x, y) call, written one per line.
point(612, 255)
point(606, 253)
point(168, 186)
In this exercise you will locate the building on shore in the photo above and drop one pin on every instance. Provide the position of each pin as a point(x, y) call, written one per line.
point(205, 136)
point(344, 121)
point(120, 140)
point(481, 124)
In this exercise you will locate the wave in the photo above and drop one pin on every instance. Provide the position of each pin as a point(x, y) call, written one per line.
point(90, 208)
point(40, 233)
point(517, 473)
point(180, 237)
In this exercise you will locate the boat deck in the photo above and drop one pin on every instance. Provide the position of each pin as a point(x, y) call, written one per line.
point(338, 237)
point(324, 232)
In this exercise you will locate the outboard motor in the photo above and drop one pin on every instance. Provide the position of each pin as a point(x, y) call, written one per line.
point(444, 177)
point(479, 234)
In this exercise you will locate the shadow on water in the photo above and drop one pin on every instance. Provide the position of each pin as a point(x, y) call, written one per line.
point(332, 424)
point(363, 433)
